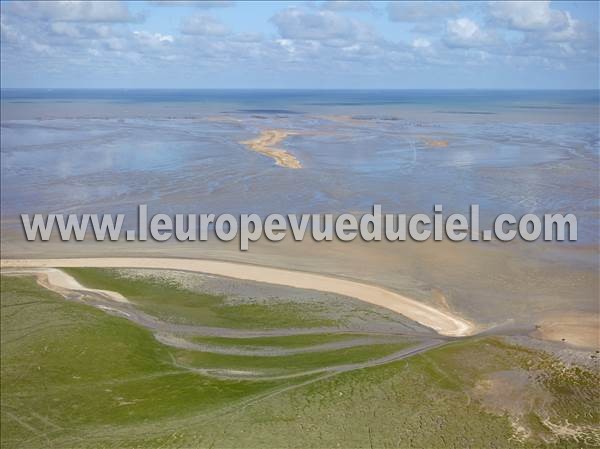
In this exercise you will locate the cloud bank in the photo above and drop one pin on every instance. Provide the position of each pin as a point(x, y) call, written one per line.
point(243, 44)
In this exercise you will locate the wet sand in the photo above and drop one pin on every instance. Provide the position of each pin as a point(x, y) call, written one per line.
point(442, 322)
point(436, 143)
point(266, 143)
point(575, 329)
point(516, 285)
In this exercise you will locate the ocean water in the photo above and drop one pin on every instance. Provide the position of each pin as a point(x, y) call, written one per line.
point(304, 99)
point(97, 151)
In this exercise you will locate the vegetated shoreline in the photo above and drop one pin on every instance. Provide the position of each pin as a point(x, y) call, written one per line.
point(442, 322)
point(265, 144)
point(58, 280)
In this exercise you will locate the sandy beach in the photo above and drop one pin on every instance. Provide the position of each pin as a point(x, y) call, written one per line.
point(266, 143)
point(443, 322)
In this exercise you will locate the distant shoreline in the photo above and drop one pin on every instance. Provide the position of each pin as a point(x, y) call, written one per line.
point(306, 89)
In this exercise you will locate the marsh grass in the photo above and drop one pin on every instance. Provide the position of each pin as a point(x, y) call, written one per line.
point(73, 376)
point(171, 302)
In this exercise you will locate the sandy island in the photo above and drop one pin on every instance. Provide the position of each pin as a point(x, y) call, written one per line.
point(436, 143)
point(442, 322)
point(266, 143)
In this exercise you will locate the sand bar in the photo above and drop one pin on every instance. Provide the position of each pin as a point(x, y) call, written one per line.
point(436, 143)
point(266, 143)
point(59, 281)
point(442, 322)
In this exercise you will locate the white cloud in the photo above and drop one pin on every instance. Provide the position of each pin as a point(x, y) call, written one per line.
point(463, 28)
point(73, 11)
point(80, 30)
point(248, 37)
point(574, 30)
point(465, 33)
point(528, 15)
point(153, 40)
point(348, 5)
point(411, 11)
point(66, 29)
point(305, 40)
point(423, 46)
point(547, 34)
point(206, 4)
point(421, 43)
point(204, 26)
point(213, 4)
point(294, 23)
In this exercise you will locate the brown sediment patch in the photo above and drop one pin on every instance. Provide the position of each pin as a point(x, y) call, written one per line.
point(586, 435)
point(266, 143)
point(436, 143)
point(514, 393)
point(519, 394)
point(576, 329)
point(439, 299)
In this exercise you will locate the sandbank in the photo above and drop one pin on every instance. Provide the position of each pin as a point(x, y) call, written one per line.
point(443, 322)
point(266, 143)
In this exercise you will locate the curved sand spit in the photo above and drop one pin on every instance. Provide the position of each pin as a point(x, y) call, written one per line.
point(59, 281)
point(266, 144)
point(442, 322)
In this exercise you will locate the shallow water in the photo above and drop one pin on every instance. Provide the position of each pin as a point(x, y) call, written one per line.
point(64, 151)
point(179, 151)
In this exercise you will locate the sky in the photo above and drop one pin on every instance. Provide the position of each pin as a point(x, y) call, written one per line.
point(300, 45)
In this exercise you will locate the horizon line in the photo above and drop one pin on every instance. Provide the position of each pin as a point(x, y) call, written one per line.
point(308, 88)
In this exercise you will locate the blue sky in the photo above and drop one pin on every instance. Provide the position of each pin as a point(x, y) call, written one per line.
point(320, 44)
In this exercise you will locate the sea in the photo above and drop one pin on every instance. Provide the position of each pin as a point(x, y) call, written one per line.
point(180, 151)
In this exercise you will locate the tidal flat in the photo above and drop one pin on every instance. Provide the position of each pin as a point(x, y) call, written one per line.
point(151, 355)
point(513, 152)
